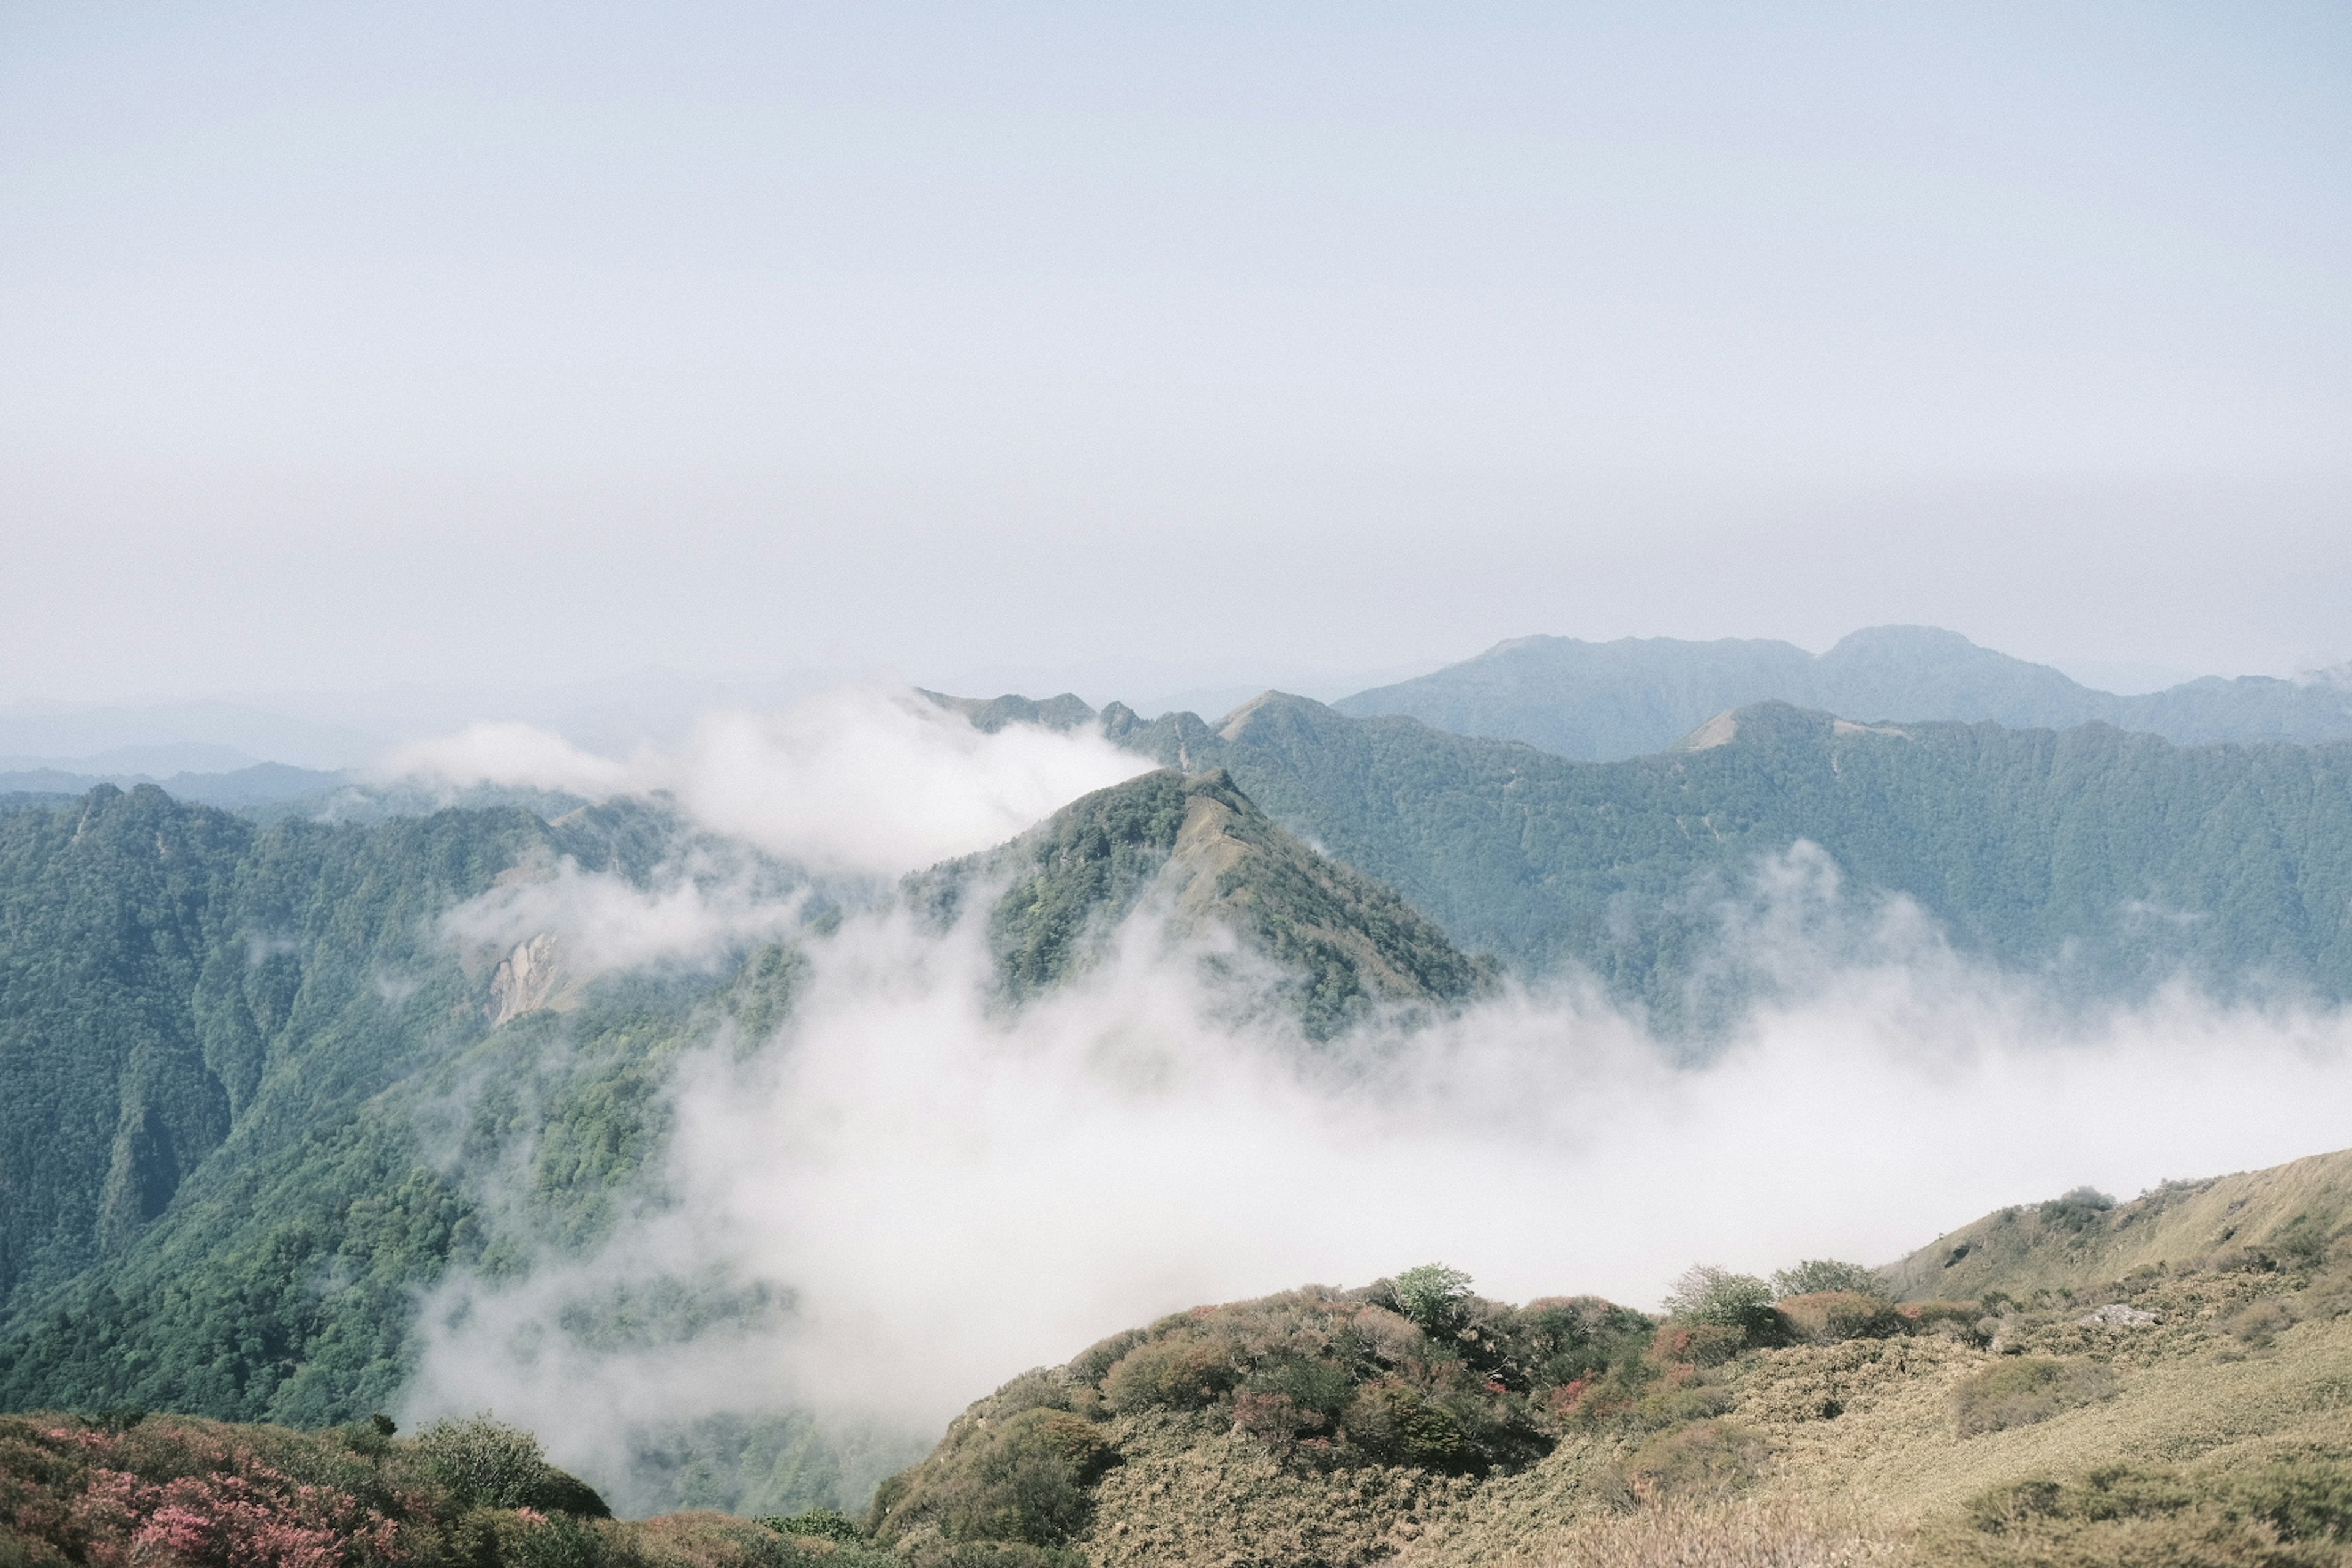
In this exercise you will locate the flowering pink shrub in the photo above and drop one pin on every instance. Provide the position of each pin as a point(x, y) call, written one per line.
point(182, 1495)
point(171, 1491)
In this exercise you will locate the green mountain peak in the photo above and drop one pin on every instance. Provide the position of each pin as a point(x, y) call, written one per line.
point(1198, 852)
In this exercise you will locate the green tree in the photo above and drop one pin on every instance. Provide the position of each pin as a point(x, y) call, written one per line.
point(1434, 1296)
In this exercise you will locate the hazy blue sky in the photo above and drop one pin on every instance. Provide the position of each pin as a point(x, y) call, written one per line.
point(1131, 348)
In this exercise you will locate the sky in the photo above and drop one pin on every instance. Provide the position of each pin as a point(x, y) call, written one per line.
point(1136, 350)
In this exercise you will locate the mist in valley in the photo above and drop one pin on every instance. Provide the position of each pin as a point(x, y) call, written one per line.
point(912, 1190)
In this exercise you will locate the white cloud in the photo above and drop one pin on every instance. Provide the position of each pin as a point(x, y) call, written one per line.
point(853, 780)
point(949, 1194)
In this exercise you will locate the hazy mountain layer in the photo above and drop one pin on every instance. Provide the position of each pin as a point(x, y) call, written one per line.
point(260, 784)
point(1606, 702)
point(1197, 851)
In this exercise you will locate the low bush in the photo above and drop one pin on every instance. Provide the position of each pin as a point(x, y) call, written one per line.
point(1021, 1479)
point(2078, 1210)
point(1183, 1372)
point(1957, 1320)
point(1696, 1344)
point(2022, 1390)
point(181, 1492)
point(1400, 1425)
point(824, 1522)
point(1830, 1316)
point(486, 1464)
point(2258, 1323)
point(1700, 1461)
point(1411, 1374)
point(2291, 1513)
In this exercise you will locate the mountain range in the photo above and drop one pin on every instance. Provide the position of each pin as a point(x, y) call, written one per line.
point(262, 1094)
point(1607, 701)
point(2099, 863)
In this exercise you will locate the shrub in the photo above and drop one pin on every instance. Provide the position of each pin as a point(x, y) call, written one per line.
point(1816, 1275)
point(189, 1493)
point(557, 1541)
point(1021, 1478)
point(1182, 1372)
point(2258, 1323)
point(486, 1464)
point(2077, 1210)
point(483, 1463)
point(824, 1522)
point(2304, 1241)
point(1718, 1298)
point(1314, 1388)
point(939, 1552)
point(1958, 1319)
point(1400, 1425)
point(1103, 1354)
point(1026, 1496)
point(1700, 1462)
point(1575, 1337)
point(1433, 1297)
point(1274, 1419)
point(2284, 1516)
point(1829, 1317)
point(2303, 1499)
point(1696, 1344)
point(2023, 1390)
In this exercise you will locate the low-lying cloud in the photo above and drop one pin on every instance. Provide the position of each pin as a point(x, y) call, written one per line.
point(856, 779)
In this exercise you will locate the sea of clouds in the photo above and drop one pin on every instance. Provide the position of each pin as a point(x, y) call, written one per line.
point(930, 1194)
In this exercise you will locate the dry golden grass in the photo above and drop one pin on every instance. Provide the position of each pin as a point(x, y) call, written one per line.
point(2187, 1390)
point(2016, 1251)
point(1778, 1534)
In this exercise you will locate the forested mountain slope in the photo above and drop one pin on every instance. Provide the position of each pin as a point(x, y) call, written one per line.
point(174, 981)
point(1607, 701)
point(2103, 861)
point(259, 1096)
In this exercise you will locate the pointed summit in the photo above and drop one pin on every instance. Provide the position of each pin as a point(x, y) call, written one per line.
point(1201, 851)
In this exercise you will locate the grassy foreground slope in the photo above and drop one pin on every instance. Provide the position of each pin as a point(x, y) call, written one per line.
point(2197, 1410)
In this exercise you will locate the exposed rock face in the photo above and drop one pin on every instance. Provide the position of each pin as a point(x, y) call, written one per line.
point(526, 979)
point(2115, 1315)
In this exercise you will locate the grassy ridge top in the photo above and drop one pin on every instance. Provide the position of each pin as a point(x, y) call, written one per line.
point(2286, 1216)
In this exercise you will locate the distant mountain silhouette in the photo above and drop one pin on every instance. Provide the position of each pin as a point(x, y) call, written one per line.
point(1605, 702)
